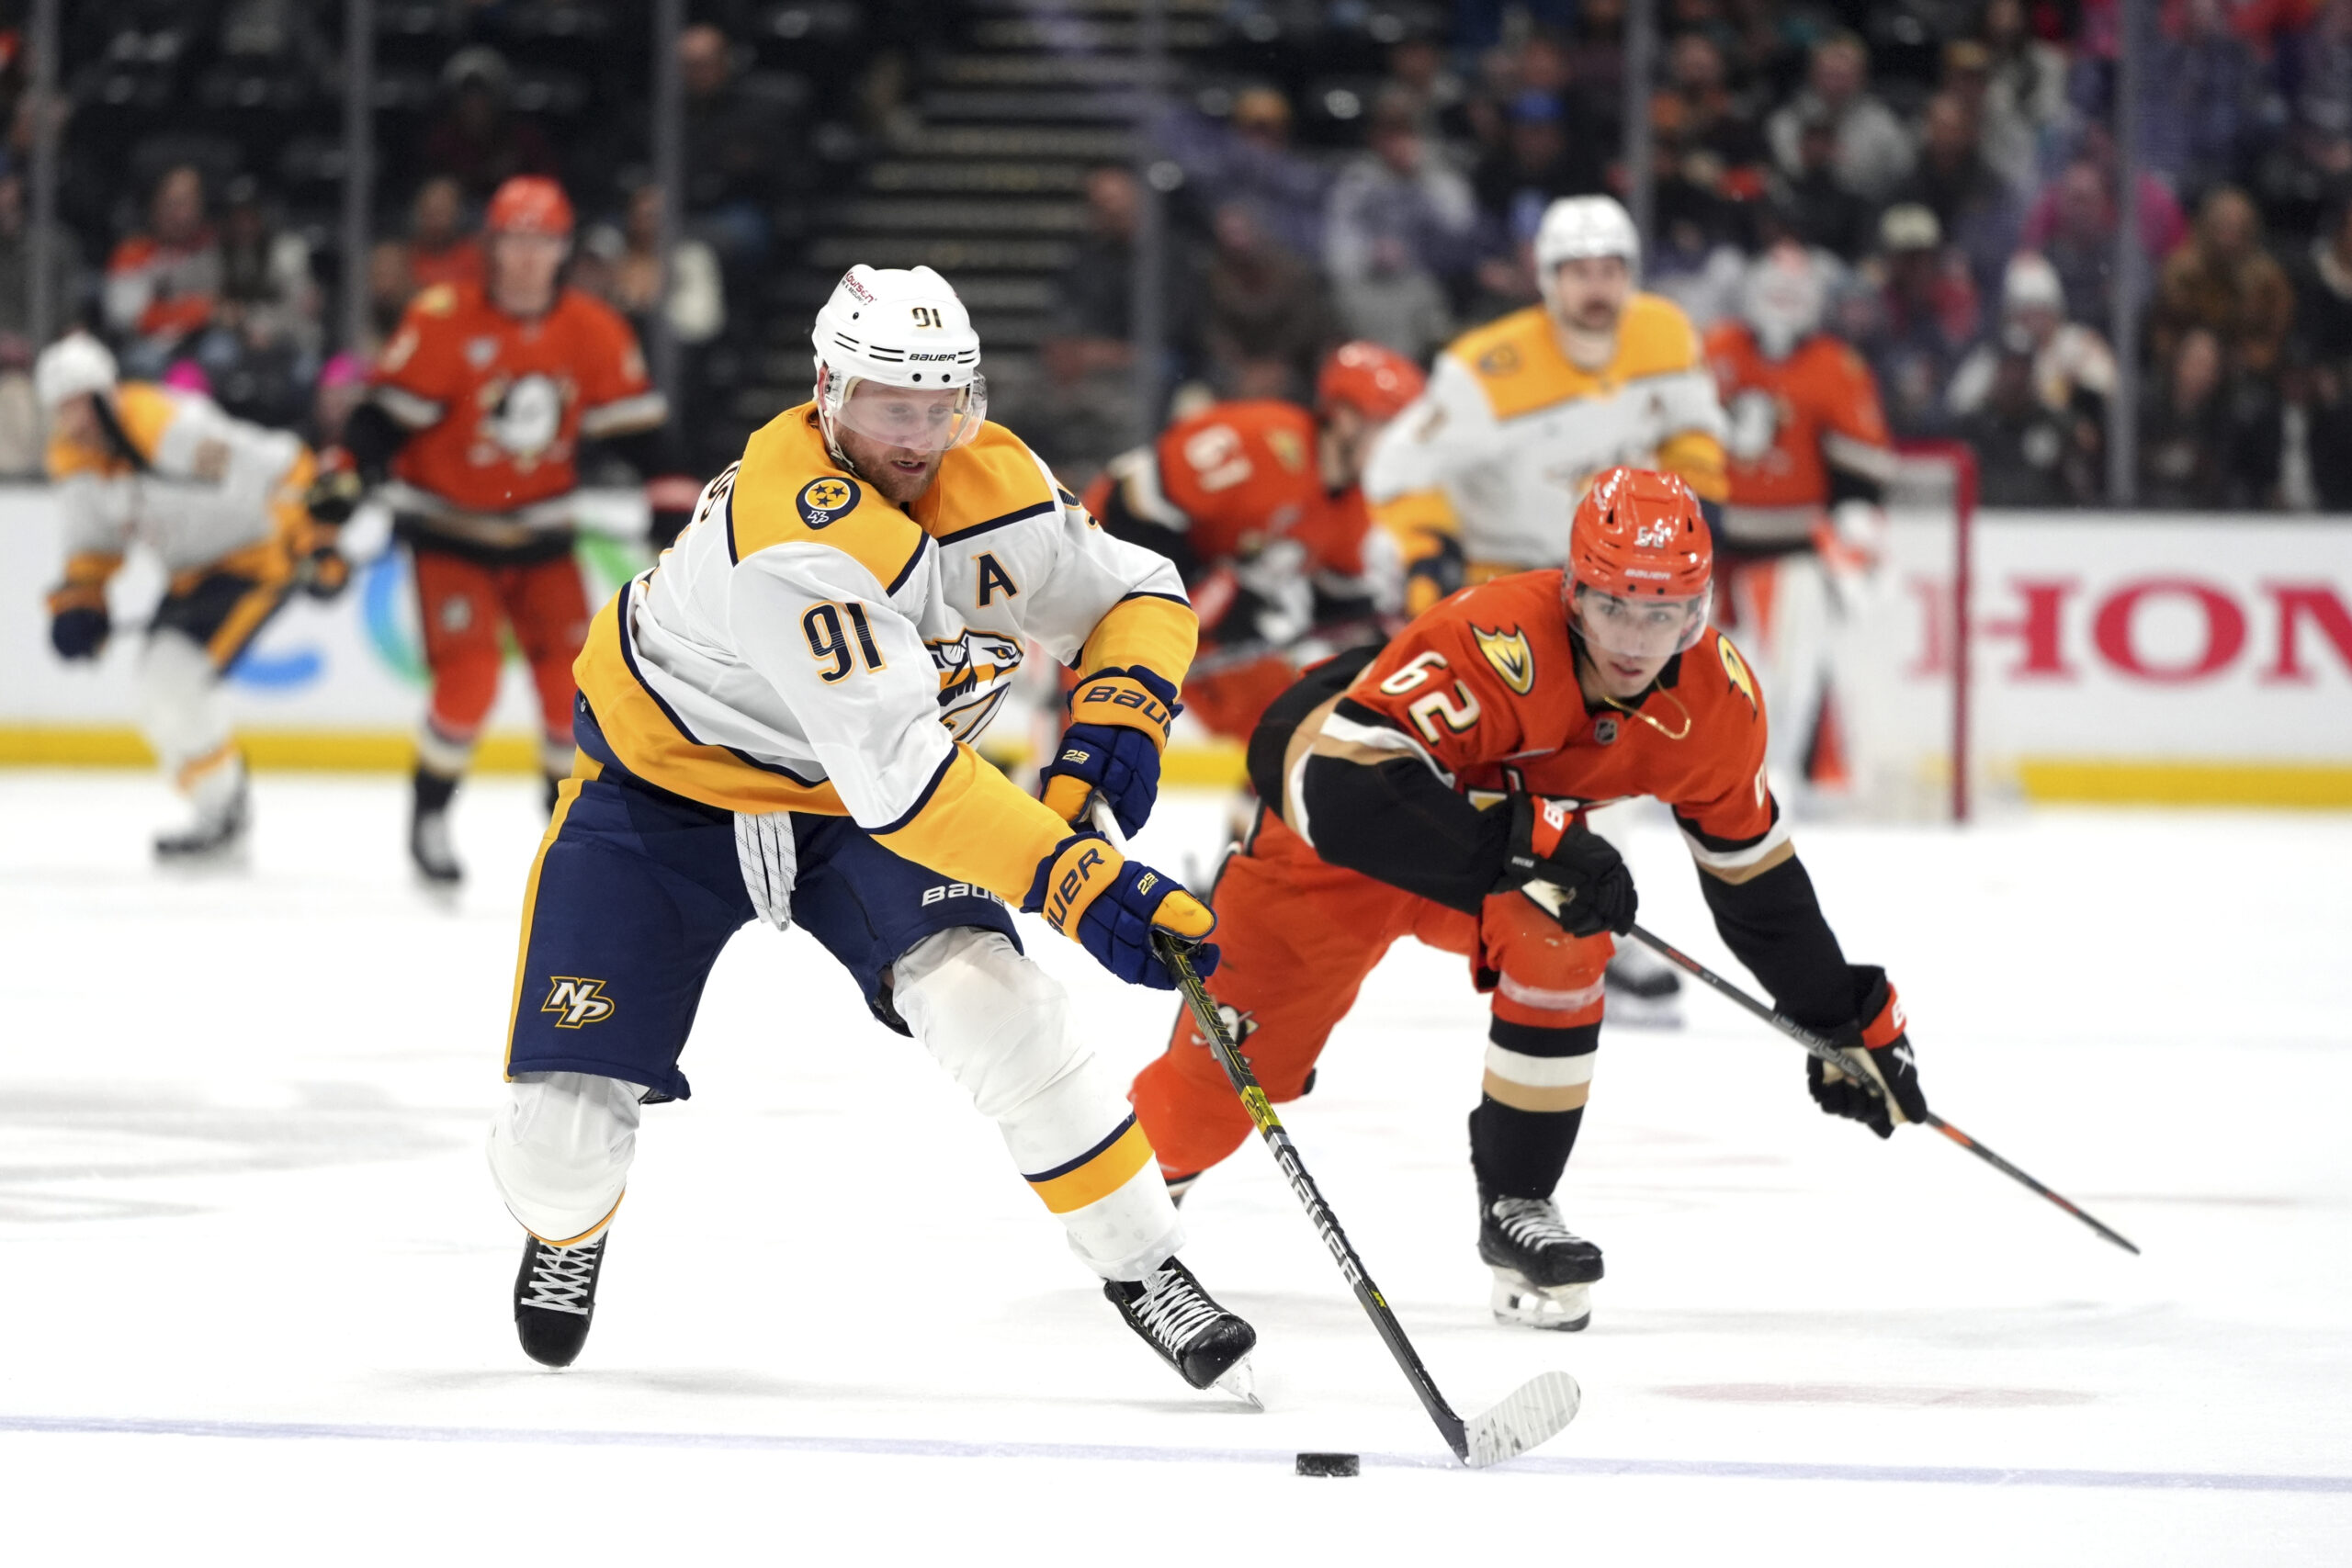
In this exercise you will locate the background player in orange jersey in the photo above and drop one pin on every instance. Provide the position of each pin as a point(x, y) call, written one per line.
point(481, 405)
point(1808, 459)
point(1437, 788)
point(1258, 505)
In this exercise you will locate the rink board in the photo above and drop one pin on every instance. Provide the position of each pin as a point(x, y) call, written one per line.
point(2192, 660)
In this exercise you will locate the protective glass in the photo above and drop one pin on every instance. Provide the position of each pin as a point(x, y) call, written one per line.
point(1642, 628)
point(913, 418)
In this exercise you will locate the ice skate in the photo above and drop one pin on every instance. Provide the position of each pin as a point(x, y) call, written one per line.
point(429, 847)
point(554, 1298)
point(1544, 1271)
point(217, 834)
point(1644, 990)
point(1208, 1346)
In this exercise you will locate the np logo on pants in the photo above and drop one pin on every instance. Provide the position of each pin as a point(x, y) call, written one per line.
point(578, 1001)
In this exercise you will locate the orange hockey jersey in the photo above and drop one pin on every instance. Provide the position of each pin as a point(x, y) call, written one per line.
point(1792, 421)
point(1484, 688)
point(498, 405)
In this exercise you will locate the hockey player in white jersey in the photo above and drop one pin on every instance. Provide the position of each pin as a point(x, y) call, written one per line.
point(1519, 416)
point(220, 502)
point(775, 723)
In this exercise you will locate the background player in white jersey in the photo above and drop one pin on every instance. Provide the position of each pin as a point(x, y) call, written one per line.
point(1523, 414)
point(774, 723)
point(219, 502)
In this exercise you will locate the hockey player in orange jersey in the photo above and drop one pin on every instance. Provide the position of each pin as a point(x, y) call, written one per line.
point(481, 405)
point(1257, 503)
point(1437, 789)
point(1808, 459)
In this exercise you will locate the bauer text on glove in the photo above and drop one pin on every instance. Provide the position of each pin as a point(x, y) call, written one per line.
point(1110, 906)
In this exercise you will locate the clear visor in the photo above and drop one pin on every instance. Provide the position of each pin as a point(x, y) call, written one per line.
point(1641, 628)
point(912, 418)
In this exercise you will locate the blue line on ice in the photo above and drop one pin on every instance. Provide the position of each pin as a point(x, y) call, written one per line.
point(944, 1447)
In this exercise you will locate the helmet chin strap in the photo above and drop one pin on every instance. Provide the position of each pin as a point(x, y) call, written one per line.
point(1633, 710)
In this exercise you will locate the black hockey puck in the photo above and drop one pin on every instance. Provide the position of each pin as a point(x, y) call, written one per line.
point(1326, 1465)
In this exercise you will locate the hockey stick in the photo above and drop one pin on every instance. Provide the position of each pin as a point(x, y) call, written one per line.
point(1824, 1052)
point(1531, 1414)
point(1524, 1418)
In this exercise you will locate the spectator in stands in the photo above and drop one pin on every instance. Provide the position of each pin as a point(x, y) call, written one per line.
point(20, 442)
point(1873, 149)
point(2322, 350)
point(735, 132)
point(1539, 160)
point(1710, 157)
point(629, 276)
point(1264, 324)
point(2203, 98)
point(1400, 222)
point(267, 295)
point(2005, 144)
point(2206, 442)
point(2074, 370)
point(164, 282)
point(2023, 448)
point(2073, 220)
point(1420, 76)
point(2026, 77)
point(2224, 282)
point(478, 141)
point(439, 249)
point(1922, 318)
point(1981, 212)
point(1259, 165)
point(1815, 206)
point(1089, 400)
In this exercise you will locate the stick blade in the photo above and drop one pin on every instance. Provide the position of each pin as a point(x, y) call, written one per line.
point(1531, 1415)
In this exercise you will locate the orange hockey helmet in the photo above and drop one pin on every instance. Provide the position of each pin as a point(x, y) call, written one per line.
point(1641, 565)
point(1378, 382)
point(528, 203)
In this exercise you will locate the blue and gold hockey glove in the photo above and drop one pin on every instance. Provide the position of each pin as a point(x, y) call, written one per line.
point(1118, 726)
point(78, 624)
point(1110, 906)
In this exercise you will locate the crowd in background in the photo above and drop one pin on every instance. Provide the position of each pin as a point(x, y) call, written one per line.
point(1957, 181)
point(1949, 162)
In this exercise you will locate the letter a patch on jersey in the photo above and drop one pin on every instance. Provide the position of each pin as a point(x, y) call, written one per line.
point(1510, 656)
point(994, 579)
point(577, 1001)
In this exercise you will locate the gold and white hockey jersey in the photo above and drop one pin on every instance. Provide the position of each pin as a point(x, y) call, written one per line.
point(1511, 431)
point(809, 646)
point(195, 486)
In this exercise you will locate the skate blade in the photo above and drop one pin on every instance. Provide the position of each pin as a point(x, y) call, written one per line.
point(1562, 1309)
point(1241, 1381)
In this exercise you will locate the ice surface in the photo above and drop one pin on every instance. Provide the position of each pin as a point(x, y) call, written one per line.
point(252, 1276)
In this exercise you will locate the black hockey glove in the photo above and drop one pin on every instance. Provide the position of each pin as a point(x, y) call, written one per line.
point(335, 494)
point(1568, 868)
point(78, 623)
point(1881, 1041)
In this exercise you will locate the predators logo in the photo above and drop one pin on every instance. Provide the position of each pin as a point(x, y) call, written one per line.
point(577, 1001)
point(1736, 667)
point(1510, 656)
point(974, 672)
point(822, 501)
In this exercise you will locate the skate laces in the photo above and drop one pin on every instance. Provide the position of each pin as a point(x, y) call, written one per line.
point(1172, 1309)
point(562, 1275)
point(1532, 1223)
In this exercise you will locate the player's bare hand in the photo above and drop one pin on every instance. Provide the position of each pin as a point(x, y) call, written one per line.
point(1110, 906)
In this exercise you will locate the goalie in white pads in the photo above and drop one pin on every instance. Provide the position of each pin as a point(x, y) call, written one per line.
point(775, 723)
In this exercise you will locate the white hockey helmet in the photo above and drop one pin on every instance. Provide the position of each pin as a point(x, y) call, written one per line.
point(1782, 296)
point(1577, 226)
point(898, 328)
point(74, 363)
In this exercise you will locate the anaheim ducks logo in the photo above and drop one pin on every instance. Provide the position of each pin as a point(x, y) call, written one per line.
point(1510, 656)
point(577, 1000)
point(1736, 667)
point(823, 502)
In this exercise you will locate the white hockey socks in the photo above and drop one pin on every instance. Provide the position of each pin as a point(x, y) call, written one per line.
point(1000, 1026)
point(559, 1151)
